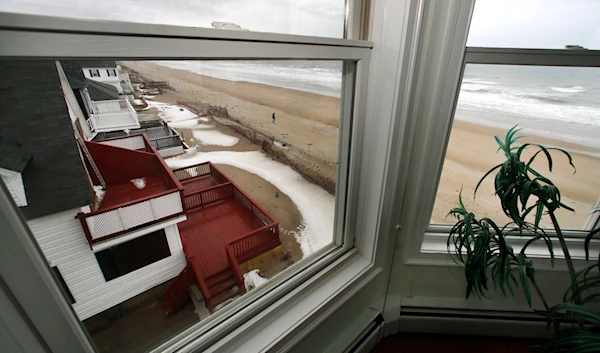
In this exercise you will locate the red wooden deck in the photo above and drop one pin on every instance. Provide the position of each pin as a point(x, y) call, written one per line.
point(224, 228)
point(123, 191)
point(207, 230)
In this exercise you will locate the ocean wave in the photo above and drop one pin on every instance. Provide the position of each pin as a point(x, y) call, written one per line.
point(473, 87)
point(573, 89)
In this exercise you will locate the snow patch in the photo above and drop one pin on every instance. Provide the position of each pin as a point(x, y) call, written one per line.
point(253, 280)
point(100, 192)
point(139, 183)
point(170, 113)
point(184, 123)
point(204, 120)
point(280, 145)
point(314, 203)
point(215, 138)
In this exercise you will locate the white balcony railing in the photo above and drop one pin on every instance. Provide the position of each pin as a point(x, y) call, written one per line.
point(112, 115)
point(104, 223)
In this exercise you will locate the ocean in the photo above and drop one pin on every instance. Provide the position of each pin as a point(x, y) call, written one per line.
point(320, 77)
point(557, 102)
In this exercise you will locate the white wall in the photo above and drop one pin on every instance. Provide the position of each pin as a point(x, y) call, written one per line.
point(64, 244)
point(111, 80)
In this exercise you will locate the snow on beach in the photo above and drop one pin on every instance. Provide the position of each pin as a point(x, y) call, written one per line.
point(315, 204)
point(215, 138)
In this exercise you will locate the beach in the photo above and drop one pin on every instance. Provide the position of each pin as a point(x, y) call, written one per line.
point(310, 122)
point(472, 152)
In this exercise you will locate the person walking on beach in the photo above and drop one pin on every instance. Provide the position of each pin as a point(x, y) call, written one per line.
point(273, 121)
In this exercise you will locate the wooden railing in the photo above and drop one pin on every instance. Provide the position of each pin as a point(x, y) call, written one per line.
point(235, 266)
point(177, 293)
point(166, 142)
point(192, 171)
point(203, 198)
point(256, 242)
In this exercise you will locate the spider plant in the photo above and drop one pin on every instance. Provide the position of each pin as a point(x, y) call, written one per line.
point(483, 247)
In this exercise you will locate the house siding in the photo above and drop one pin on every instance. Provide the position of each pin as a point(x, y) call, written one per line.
point(64, 244)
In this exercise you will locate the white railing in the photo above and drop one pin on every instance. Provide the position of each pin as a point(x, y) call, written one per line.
point(110, 106)
point(130, 143)
point(113, 115)
point(104, 223)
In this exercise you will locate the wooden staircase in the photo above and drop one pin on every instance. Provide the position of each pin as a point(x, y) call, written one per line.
point(222, 286)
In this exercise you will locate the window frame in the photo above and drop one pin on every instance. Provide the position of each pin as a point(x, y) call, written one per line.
point(425, 243)
point(355, 266)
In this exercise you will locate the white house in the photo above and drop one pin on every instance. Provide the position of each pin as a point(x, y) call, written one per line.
point(106, 238)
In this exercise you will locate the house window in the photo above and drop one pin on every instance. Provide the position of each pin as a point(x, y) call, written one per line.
point(63, 284)
point(130, 256)
point(111, 72)
point(94, 73)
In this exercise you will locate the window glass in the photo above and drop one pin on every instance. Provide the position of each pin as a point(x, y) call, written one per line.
point(555, 106)
point(169, 193)
point(552, 24)
point(305, 17)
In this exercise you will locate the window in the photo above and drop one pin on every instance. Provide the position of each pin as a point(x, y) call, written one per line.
point(555, 106)
point(111, 72)
point(94, 73)
point(63, 284)
point(547, 92)
point(127, 257)
point(251, 107)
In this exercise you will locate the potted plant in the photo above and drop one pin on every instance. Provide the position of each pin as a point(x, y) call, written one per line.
point(484, 248)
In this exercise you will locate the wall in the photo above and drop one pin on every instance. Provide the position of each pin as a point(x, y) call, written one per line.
point(110, 161)
point(64, 245)
point(111, 80)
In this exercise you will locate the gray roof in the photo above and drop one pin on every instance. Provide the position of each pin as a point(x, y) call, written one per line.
point(35, 124)
point(74, 74)
point(100, 91)
point(97, 63)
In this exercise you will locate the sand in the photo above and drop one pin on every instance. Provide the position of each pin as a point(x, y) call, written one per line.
point(472, 152)
point(305, 118)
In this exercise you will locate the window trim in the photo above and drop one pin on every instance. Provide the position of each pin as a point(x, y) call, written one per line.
point(354, 51)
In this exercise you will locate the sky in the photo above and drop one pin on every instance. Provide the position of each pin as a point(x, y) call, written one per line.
point(323, 18)
point(535, 23)
point(495, 23)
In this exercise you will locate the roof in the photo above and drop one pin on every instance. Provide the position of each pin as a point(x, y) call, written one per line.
point(74, 74)
point(100, 91)
point(35, 126)
point(97, 63)
point(16, 163)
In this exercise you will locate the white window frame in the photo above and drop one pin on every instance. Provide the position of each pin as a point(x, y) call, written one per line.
point(306, 295)
point(439, 86)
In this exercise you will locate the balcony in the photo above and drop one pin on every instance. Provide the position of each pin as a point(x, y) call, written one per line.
point(225, 228)
point(112, 115)
point(121, 162)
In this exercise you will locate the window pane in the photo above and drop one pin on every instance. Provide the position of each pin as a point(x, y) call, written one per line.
point(306, 17)
point(555, 106)
point(232, 181)
point(550, 24)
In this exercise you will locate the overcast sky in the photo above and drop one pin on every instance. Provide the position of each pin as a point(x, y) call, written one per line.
point(496, 23)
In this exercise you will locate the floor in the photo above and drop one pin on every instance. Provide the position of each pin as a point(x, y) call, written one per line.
point(433, 343)
point(125, 191)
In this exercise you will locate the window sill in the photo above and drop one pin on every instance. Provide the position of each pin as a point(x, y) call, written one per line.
point(434, 251)
point(291, 318)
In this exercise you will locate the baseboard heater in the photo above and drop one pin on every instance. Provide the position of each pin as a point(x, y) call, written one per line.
point(472, 322)
point(366, 341)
